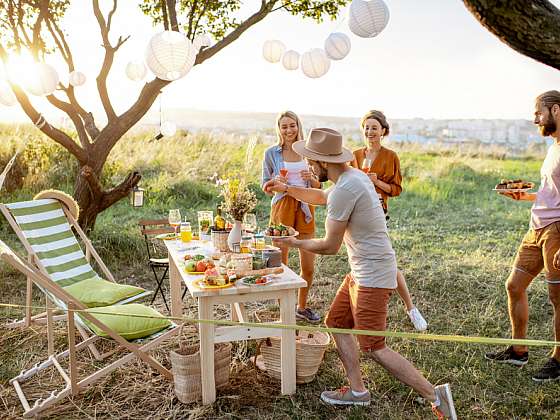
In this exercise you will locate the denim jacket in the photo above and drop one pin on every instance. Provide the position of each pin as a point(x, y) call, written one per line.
point(272, 163)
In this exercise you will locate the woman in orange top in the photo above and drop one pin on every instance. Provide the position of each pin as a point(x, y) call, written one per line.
point(383, 168)
point(281, 162)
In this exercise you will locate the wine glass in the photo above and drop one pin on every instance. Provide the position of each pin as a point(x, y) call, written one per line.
point(250, 222)
point(366, 165)
point(175, 221)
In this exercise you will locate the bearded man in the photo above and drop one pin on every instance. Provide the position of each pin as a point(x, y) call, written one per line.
point(538, 247)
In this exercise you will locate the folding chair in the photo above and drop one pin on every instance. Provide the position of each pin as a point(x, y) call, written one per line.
point(88, 319)
point(149, 229)
point(45, 229)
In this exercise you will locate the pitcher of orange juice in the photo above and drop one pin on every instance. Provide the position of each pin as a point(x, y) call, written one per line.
point(186, 232)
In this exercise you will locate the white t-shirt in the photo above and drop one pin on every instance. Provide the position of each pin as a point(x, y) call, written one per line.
point(370, 254)
point(546, 208)
point(294, 176)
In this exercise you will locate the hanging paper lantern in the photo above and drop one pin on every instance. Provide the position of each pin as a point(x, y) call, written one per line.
point(77, 78)
point(168, 55)
point(315, 63)
point(337, 46)
point(202, 40)
point(42, 81)
point(290, 60)
point(7, 97)
point(168, 128)
point(136, 70)
point(367, 18)
point(273, 50)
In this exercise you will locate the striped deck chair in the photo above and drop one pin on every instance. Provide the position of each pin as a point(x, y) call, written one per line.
point(45, 229)
point(147, 336)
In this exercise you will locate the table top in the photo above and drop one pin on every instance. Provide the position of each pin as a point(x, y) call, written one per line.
point(177, 250)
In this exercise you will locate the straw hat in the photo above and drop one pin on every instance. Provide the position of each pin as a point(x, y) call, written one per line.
point(323, 145)
point(66, 199)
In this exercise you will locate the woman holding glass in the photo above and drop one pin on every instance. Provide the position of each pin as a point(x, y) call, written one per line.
point(383, 168)
point(281, 162)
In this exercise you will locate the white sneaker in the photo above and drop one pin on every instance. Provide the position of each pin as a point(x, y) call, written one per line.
point(417, 319)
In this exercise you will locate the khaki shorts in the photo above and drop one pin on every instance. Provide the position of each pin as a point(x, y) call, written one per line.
point(363, 308)
point(288, 212)
point(537, 251)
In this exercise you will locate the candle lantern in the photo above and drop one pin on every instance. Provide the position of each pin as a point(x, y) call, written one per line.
point(137, 197)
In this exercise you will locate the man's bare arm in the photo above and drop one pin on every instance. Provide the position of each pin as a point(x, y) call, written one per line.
point(329, 245)
point(313, 196)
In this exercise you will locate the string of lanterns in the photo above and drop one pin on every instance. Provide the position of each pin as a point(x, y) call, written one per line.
point(366, 19)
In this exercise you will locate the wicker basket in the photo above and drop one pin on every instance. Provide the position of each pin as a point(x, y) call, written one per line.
point(310, 349)
point(185, 364)
point(219, 240)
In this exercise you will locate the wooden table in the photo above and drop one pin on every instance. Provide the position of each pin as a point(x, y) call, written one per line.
point(283, 287)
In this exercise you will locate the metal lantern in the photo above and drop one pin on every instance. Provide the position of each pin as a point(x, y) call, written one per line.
point(77, 78)
point(7, 97)
point(43, 80)
point(367, 18)
point(136, 70)
point(273, 50)
point(337, 46)
point(169, 55)
point(137, 197)
point(290, 60)
point(315, 63)
point(168, 128)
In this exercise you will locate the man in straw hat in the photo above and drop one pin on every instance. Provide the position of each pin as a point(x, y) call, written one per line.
point(355, 216)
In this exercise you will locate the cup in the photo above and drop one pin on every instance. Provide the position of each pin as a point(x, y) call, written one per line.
point(186, 232)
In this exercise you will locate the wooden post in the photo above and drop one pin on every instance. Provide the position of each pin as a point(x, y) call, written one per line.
point(288, 342)
point(175, 286)
point(72, 360)
point(206, 332)
point(50, 327)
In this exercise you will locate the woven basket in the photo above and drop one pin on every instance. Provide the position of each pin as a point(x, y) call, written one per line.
point(310, 349)
point(185, 364)
point(219, 240)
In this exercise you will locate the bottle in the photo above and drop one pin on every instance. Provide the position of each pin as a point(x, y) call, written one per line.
point(219, 221)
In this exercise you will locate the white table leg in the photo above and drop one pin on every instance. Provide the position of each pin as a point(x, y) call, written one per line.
point(206, 333)
point(288, 342)
point(175, 286)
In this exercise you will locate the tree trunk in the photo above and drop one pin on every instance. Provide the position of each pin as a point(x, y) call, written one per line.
point(530, 27)
point(88, 201)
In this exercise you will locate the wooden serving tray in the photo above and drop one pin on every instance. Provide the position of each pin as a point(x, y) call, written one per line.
point(261, 272)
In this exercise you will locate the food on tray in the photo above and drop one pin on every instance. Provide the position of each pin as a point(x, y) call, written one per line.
point(212, 277)
point(280, 230)
point(514, 184)
point(254, 280)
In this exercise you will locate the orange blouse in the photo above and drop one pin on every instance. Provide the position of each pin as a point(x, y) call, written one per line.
point(388, 169)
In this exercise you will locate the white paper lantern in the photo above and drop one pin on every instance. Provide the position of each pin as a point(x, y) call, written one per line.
point(337, 46)
point(136, 70)
point(290, 60)
point(77, 78)
point(202, 40)
point(315, 63)
point(7, 97)
point(367, 18)
point(168, 55)
point(273, 50)
point(42, 80)
point(168, 128)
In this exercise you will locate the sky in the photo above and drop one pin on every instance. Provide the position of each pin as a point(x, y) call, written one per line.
point(433, 60)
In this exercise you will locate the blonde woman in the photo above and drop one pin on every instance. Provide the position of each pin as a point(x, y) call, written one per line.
point(383, 168)
point(281, 162)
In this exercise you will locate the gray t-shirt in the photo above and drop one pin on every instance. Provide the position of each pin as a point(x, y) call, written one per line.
point(371, 256)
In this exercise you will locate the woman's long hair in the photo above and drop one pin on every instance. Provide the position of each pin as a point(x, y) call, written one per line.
point(294, 117)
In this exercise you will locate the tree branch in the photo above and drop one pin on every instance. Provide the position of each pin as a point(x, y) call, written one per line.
point(266, 7)
point(172, 15)
point(530, 27)
point(120, 191)
point(73, 115)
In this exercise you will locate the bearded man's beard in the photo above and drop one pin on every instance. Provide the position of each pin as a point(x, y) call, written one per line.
point(548, 127)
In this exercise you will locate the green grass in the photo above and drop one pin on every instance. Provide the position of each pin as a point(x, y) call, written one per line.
point(455, 241)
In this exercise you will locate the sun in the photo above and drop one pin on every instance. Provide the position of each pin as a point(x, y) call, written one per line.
point(20, 68)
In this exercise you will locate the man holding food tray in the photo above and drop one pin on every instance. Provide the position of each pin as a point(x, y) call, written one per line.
point(355, 216)
point(539, 245)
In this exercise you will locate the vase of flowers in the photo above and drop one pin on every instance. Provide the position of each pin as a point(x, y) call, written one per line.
point(237, 201)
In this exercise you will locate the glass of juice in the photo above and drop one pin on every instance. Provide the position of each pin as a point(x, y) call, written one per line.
point(366, 164)
point(174, 219)
point(186, 232)
point(284, 172)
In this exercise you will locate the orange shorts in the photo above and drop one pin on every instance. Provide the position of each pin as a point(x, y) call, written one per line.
point(288, 212)
point(537, 252)
point(363, 308)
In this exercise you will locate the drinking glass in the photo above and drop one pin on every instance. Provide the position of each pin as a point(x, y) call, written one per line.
point(186, 232)
point(250, 222)
point(284, 172)
point(366, 165)
point(175, 221)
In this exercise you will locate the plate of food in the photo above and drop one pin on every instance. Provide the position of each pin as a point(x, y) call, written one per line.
point(513, 185)
point(255, 280)
point(201, 284)
point(198, 266)
point(213, 280)
point(280, 231)
point(167, 236)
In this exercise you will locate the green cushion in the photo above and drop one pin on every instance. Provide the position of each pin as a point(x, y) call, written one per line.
point(129, 327)
point(98, 292)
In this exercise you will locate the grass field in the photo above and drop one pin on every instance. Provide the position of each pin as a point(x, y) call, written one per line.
point(455, 241)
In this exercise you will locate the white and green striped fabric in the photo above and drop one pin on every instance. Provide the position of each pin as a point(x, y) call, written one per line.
point(46, 228)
